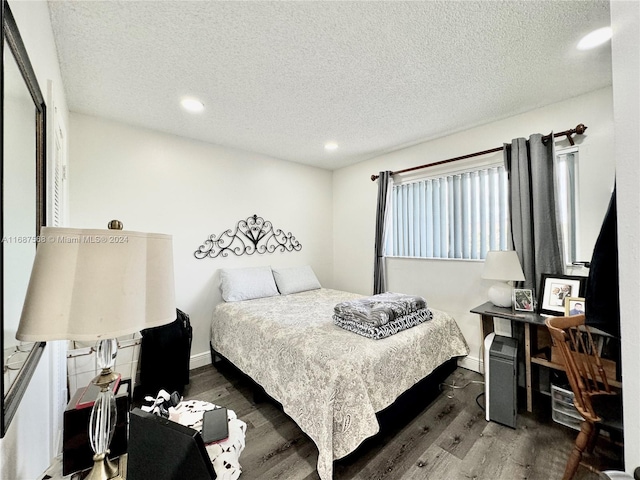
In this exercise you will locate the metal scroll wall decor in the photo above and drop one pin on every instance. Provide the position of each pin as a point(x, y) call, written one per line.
point(253, 235)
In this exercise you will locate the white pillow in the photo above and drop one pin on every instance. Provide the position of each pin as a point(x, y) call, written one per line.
point(295, 279)
point(247, 283)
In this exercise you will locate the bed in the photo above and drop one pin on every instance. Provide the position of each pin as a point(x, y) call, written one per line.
point(330, 381)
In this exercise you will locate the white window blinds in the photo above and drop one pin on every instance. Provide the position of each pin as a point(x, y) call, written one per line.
point(461, 215)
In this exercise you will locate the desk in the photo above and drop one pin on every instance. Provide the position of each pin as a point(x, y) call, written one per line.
point(488, 311)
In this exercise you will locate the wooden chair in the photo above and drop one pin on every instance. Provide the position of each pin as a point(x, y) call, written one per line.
point(594, 399)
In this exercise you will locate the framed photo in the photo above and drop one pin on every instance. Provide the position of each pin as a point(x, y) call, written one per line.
point(574, 306)
point(555, 289)
point(523, 299)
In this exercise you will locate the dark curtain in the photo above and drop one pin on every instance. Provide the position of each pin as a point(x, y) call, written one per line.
point(602, 309)
point(534, 230)
point(379, 275)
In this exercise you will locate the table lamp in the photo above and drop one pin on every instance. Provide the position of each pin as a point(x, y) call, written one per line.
point(89, 284)
point(503, 266)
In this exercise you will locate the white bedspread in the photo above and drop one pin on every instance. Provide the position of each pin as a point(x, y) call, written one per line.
point(330, 381)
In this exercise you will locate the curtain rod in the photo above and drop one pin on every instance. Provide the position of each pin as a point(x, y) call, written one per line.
point(579, 130)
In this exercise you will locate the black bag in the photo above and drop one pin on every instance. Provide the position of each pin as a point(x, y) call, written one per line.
point(164, 356)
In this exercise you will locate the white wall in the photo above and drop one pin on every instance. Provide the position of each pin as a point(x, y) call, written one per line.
point(168, 184)
point(453, 285)
point(30, 442)
point(625, 18)
point(25, 451)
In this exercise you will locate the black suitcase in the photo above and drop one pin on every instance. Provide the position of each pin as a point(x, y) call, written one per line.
point(164, 357)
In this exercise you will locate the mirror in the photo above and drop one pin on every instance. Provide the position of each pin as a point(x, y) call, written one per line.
point(23, 206)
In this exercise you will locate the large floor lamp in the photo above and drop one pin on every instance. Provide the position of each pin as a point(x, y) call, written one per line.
point(98, 285)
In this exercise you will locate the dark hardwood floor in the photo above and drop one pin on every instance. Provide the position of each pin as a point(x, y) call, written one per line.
point(447, 438)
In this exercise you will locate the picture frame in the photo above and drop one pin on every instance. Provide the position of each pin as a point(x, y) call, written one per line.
point(574, 306)
point(523, 300)
point(555, 289)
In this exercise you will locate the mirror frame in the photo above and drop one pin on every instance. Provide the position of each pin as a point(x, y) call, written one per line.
point(11, 36)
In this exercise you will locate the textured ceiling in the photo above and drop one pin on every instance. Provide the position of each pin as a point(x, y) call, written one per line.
point(283, 78)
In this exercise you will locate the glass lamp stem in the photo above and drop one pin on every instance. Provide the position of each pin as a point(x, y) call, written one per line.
point(102, 423)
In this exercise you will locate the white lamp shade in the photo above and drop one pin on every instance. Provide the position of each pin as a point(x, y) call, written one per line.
point(93, 284)
point(502, 265)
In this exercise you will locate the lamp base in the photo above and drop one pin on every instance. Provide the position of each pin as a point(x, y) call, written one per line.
point(500, 294)
point(102, 421)
point(104, 469)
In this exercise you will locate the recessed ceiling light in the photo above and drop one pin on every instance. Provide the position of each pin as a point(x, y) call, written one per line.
point(595, 38)
point(330, 146)
point(192, 104)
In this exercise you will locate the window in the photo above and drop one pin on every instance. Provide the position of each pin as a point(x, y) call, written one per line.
point(460, 215)
point(567, 200)
point(464, 215)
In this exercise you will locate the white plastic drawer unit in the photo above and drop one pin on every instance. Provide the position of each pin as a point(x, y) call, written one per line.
point(562, 408)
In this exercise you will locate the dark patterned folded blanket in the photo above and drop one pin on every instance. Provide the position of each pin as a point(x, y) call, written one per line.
point(380, 309)
point(377, 332)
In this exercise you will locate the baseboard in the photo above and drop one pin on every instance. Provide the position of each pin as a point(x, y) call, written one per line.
point(199, 360)
point(471, 363)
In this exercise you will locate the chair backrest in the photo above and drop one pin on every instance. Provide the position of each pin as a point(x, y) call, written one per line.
point(581, 360)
